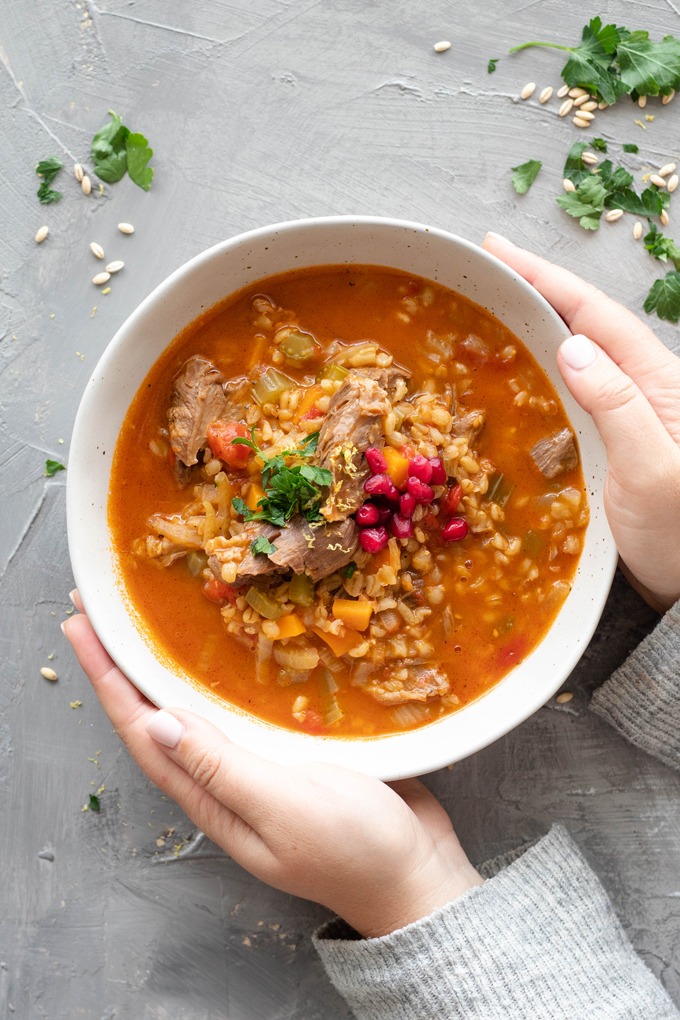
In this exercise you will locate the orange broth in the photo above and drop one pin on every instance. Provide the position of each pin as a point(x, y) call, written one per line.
point(354, 303)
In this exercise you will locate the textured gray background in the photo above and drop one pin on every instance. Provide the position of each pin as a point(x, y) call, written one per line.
point(262, 111)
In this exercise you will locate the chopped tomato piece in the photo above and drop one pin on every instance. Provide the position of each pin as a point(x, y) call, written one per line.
point(219, 591)
point(509, 655)
point(450, 502)
point(314, 412)
point(221, 435)
point(312, 722)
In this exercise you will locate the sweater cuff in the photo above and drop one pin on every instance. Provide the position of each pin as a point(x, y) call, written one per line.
point(539, 940)
point(642, 698)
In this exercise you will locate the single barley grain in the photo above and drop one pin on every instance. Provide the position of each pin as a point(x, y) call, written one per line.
point(96, 250)
point(566, 107)
point(581, 100)
point(442, 47)
point(642, 102)
point(101, 278)
point(613, 215)
point(637, 230)
point(602, 105)
point(568, 185)
point(589, 106)
point(562, 91)
point(584, 115)
point(673, 183)
point(564, 698)
point(115, 267)
point(667, 99)
point(577, 92)
point(659, 181)
point(579, 122)
point(41, 235)
point(589, 158)
point(78, 172)
point(546, 94)
point(667, 169)
point(126, 228)
point(86, 185)
point(48, 673)
point(528, 90)
point(664, 217)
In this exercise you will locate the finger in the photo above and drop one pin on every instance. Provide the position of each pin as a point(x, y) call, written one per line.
point(76, 600)
point(424, 806)
point(254, 788)
point(624, 417)
point(585, 309)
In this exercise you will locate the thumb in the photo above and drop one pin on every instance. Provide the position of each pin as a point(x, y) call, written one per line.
point(624, 417)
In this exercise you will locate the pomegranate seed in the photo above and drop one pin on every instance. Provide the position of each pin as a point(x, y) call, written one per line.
point(373, 540)
point(376, 460)
point(422, 492)
point(438, 471)
point(419, 467)
point(455, 529)
point(385, 513)
point(401, 527)
point(367, 515)
point(407, 504)
point(451, 500)
point(382, 485)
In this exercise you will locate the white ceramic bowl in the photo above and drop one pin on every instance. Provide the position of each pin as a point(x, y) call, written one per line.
point(207, 279)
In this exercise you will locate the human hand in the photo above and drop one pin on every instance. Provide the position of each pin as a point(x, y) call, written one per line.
point(630, 383)
point(379, 856)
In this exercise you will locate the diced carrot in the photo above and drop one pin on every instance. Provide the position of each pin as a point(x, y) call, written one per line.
point(397, 466)
point(309, 399)
point(254, 493)
point(290, 626)
point(355, 615)
point(339, 644)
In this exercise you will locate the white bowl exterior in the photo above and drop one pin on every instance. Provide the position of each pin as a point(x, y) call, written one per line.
point(195, 287)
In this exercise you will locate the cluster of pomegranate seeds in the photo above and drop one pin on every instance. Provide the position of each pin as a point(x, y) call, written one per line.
point(390, 511)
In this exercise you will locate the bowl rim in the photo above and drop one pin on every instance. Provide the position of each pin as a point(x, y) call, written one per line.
point(439, 756)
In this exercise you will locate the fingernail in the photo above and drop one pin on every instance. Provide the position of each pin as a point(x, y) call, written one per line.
point(165, 729)
point(578, 351)
point(72, 596)
point(491, 235)
point(63, 627)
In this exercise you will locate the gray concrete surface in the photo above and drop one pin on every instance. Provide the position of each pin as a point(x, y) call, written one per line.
point(262, 111)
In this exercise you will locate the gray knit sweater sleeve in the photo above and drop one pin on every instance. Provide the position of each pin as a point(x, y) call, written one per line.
point(539, 941)
point(642, 698)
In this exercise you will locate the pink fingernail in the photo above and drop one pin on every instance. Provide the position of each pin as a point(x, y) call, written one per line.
point(578, 351)
point(72, 596)
point(165, 729)
point(491, 234)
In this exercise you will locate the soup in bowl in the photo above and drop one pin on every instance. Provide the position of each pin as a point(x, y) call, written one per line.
point(341, 507)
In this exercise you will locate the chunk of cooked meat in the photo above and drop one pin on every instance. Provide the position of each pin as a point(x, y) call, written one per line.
point(555, 454)
point(197, 399)
point(421, 683)
point(352, 424)
point(318, 549)
point(468, 425)
point(388, 378)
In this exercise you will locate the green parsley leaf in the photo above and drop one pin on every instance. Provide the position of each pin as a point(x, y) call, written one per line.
point(93, 803)
point(316, 475)
point(649, 67)
point(524, 175)
point(575, 169)
point(661, 247)
point(630, 147)
point(262, 545)
point(491, 67)
point(48, 170)
point(138, 156)
point(664, 297)
point(52, 466)
point(350, 570)
point(240, 506)
point(108, 150)
point(46, 195)
point(586, 203)
point(599, 144)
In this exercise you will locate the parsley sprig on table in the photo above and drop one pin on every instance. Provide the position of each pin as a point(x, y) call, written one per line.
point(289, 488)
point(115, 149)
point(611, 61)
point(48, 169)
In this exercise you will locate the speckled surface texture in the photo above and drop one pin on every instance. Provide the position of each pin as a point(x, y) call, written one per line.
point(261, 112)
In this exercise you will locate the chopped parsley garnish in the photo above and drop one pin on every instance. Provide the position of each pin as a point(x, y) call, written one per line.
point(93, 803)
point(630, 147)
point(664, 297)
point(262, 545)
point(52, 466)
point(289, 488)
point(611, 61)
point(599, 144)
point(350, 570)
point(586, 203)
point(524, 175)
point(491, 66)
point(115, 150)
point(48, 170)
point(662, 247)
